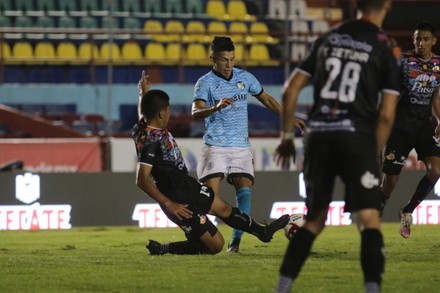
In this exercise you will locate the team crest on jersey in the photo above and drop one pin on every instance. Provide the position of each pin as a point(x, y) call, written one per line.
point(240, 85)
point(390, 157)
point(202, 219)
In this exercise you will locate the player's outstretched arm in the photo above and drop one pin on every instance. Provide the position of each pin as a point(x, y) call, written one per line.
point(143, 87)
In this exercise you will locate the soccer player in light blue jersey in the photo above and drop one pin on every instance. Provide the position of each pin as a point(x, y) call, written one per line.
point(220, 96)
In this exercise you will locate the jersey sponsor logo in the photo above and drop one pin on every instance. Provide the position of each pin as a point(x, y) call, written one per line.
point(347, 42)
point(369, 181)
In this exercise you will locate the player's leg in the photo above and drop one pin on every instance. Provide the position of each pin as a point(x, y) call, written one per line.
point(372, 248)
point(242, 187)
point(299, 249)
point(235, 218)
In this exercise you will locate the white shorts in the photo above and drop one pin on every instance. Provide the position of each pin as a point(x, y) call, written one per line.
point(225, 162)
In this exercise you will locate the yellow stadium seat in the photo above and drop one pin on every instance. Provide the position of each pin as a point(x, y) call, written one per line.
point(154, 52)
point(174, 30)
point(155, 29)
point(216, 28)
point(131, 50)
point(240, 53)
point(260, 33)
point(216, 9)
point(260, 53)
point(196, 32)
point(236, 9)
point(5, 50)
point(66, 50)
point(44, 51)
point(88, 51)
point(22, 51)
point(108, 52)
point(238, 31)
point(196, 54)
point(174, 52)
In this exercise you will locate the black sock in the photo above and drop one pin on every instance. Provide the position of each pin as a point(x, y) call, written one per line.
point(372, 256)
point(423, 189)
point(240, 221)
point(297, 253)
point(187, 247)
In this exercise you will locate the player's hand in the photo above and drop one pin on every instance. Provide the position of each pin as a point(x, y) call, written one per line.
point(223, 103)
point(300, 124)
point(144, 83)
point(181, 211)
point(284, 153)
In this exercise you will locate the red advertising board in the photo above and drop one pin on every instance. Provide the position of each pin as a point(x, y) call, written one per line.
point(53, 155)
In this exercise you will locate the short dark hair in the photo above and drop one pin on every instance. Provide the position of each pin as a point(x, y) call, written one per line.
point(153, 102)
point(220, 44)
point(370, 5)
point(426, 26)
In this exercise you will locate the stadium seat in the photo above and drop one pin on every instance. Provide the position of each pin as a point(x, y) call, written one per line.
point(152, 6)
point(216, 28)
point(22, 50)
point(88, 51)
point(216, 9)
point(66, 21)
point(45, 5)
point(300, 30)
point(25, 5)
point(319, 26)
point(174, 52)
point(154, 52)
point(196, 54)
point(277, 9)
point(88, 21)
point(240, 53)
point(44, 51)
point(45, 21)
point(89, 5)
point(173, 6)
point(5, 5)
point(174, 30)
point(5, 21)
point(5, 52)
point(66, 51)
point(23, 21)
point(109, 51)
point(194, 7)
point(109, 22)
point(238, 31)
point(131, 6)
point(260, 33)
point(132, 23)
point(114, 5)
point(298, 52)
point(260, 53)
point(66, 5)
point(298, 9)
point(236, 9)
point(155, 28)
point(131, 50)
point(196, 32)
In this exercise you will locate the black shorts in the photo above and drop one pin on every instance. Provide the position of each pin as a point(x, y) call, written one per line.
point(348, 155)
point(195, 227)
point(401, 143)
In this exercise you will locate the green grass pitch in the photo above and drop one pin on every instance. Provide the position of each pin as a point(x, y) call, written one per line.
point(114, 259)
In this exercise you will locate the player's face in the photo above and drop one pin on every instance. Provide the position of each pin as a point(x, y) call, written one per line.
point(423, 42)
point(223, 62)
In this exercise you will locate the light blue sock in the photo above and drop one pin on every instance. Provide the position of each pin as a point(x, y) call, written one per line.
point(243, 197)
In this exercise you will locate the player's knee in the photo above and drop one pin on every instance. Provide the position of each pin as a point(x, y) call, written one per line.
point(217, 247)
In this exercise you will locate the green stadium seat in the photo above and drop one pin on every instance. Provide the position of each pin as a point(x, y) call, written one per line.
point(152, 6)
point(89, 5)
point(115, 5)
point(45, 22)
point(194, 7)
point(45, 5)
point(131, 5)
point(67, 5)
point(173, 6)
point(5, 21)
point(88, 22)
point(23, 21)
point(5, 5)
point(131, 23)
point(24, 5)
point(66, 21)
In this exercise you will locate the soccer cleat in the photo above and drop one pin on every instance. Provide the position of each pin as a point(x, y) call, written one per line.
point(273, 227)
point(154, 247)
point(233, 249)
point(405, 223)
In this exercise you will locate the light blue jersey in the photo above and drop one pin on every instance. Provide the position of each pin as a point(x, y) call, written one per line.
point(229, 126)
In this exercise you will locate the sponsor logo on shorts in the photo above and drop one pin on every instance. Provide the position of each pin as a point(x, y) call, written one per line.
point(369, 181)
